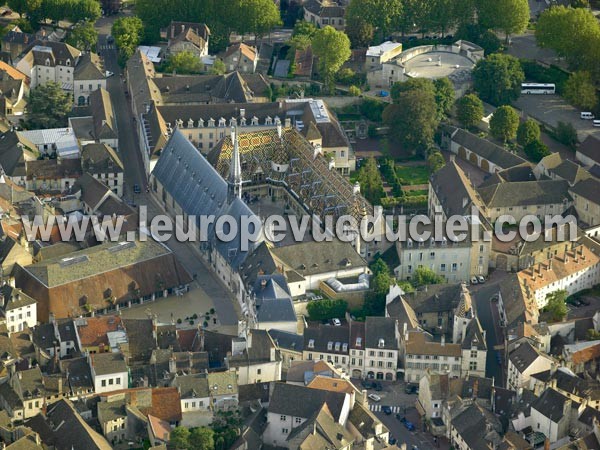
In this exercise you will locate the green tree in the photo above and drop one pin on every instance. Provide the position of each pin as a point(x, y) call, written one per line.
point(436, 161)
point(354, 91)
point(508, 16)
point(24, 6)
point(574, 33)
point(504, 123)
point(557, 304)
point(469, 110)
point(83, 36)
point(536, 150)
point(184, 62)
point(304, 28)
point(413, 119)
point(381, 281)
point(84, 10)
point(527, 132)
point(580, 91)
point(481, 36)
point(371, 185)
point(127, 32)
point(326, 309)
point(332, 47)
point(566, 134)
point(579, 3)
point(201, 438)
point(380, 14)
point(258, 17)
point(179, 438)
point(444, 96)
point(48, 106)
point(424, 276)
point(359, 31)
point(218, 67)
point(412, 84)
point(498, 79)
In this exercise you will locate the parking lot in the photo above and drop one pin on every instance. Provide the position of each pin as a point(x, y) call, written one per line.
point(402, 405)
point(552, 109)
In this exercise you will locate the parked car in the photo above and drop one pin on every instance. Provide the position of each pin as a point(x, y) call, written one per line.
point(336, 322)
point(585, 301)
point(377, 386)
point(474, 280)
point(411, 389)
point(383, 93)
point(499, 357)
point(110, 39)
point(392, 440)
point(136, 189)
point(367, 384)
point(400, 417)
point(409, 425)
point(375, 397)
point(480, 279)
point(387, 410)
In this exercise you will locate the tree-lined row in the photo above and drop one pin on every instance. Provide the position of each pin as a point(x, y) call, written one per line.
point(257, 17)
point(367, 20)
point(55, 10)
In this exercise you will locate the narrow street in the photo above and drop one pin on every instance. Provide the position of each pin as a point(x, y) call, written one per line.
point(206, 285)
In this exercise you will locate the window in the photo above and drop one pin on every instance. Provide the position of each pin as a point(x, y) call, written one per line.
point(473, 353)
point(473, 365)
point(258, 371)
point(285, 431)
point(110, 381)
point(298, 420)
point(103, 383)
point(390, 355)
point(329, 345)
point(186, 405)
point(118, 380)
point(454, 267)
point(283, 418)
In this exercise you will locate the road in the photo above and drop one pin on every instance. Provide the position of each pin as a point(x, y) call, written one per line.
point(487, 313)
point(207, 284)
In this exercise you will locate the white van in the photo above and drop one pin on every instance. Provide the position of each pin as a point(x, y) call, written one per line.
point(596, 123)
point(587, 116)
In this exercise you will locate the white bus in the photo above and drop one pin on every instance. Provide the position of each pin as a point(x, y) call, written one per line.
point(538, 88)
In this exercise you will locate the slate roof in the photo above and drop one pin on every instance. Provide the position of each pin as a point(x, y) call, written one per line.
point(474, 336)
point(78, 373)
point(108, 363)
point(15, 150)
point(590, 147)
point(571, 172)
point(320, 431)
point(100, 158)
point(523, 356)
point(199, 190)
point(364, 421)
point(70, 431)
point(89, 67)
point(385, 328)
point(57, 52)
point(470, 425)
point(309, 258)
point(486, 149)
point(190, 386)
point(325, 8)
point(526, 193)
point(587, 189)
point(140, 338)
point(452, 186)
point(322, 335)
point(14, 298)
point(232, 87)
point(282, 401)
point(287, 340)
point(101, 107)
point(550, 404)
point(258, 352)
point(111, 410)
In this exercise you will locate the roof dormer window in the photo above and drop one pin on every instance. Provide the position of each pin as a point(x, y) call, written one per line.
point(311, 343)
point(222, 122)
point(254, 121)
point(47, 62)
point(381, 343)
point(359, 342)
point(68, 62)
point(330, 345)
point(268, 121)
point(190, 123)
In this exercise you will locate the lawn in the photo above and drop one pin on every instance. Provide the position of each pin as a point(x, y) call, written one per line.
point(413, 174)
point(416, 193)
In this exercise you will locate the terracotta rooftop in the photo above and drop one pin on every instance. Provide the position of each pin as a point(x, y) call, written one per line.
point(93, 333)
point(417, 345)
point(557, 268)
point(332, 384)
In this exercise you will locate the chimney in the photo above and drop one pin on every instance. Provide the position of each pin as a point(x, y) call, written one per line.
point(356, 188)
point(475, 388)
point(279, 130)
point(182, 28)
point(547, 444)
point(443, 340)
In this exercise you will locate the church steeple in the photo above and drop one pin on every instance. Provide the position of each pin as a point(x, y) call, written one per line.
point(234, 180)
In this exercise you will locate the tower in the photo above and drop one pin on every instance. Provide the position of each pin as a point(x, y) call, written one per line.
point(234, 180)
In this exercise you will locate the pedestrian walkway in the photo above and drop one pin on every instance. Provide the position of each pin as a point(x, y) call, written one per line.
point(106, 47)
point(378, 407)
